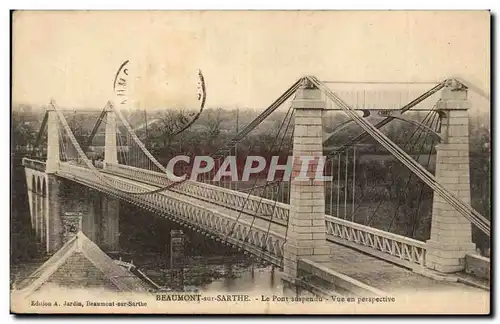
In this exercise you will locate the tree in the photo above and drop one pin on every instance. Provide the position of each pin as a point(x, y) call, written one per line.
point(164, 131)
point(23, 132)
point(214, 120)
point(212, 130)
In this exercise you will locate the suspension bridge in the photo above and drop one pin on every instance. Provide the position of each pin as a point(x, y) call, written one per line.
point(309, 229)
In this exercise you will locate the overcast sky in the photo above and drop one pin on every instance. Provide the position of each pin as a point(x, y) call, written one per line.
point(248, 58)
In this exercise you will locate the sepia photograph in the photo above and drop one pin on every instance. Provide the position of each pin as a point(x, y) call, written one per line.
point(250, 162)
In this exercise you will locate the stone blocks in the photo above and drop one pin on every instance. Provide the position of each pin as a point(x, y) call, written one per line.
point(307, 231)
point(451, 233)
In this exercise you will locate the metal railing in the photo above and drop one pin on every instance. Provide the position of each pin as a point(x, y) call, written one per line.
point(249, 204)
point(265, 244)
point(395, 248)
point(385, 245)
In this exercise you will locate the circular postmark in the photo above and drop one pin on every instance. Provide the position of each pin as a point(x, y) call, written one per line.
point(120, 82)
point(184, 117)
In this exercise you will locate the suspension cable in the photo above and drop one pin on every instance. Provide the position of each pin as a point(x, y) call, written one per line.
point(338, 184)
point(416, 215)
point(380, 124)
point(255, 182)
point(346, 184)
point(353, 180)
point(331, 187)
point(396, 212)
point(465, 209)
point(291, 112)
point(279, 187)
point(372, 217)
point(235, 140)
point(278, 102)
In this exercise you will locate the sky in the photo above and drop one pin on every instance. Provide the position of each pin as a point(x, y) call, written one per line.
point(248, 58)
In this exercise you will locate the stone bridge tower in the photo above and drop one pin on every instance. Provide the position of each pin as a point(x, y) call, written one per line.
point(451, 233)
point(306, 226)
point(53, 200)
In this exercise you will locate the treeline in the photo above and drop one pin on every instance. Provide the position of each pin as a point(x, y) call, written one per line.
point(216, 127)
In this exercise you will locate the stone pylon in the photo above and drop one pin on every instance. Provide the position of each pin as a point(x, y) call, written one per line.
point(306, 232)
point(53, 153)
point(110, 148)
point(451, 233)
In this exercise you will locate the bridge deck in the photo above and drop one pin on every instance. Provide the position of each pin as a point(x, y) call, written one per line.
point(386, 276)
point(234, 214)
point(372, 271)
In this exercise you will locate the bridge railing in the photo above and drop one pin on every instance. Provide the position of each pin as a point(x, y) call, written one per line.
point(392, 247)
point(34, 164)
point(236, 200)
point(395, 248)
point(263, 243)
